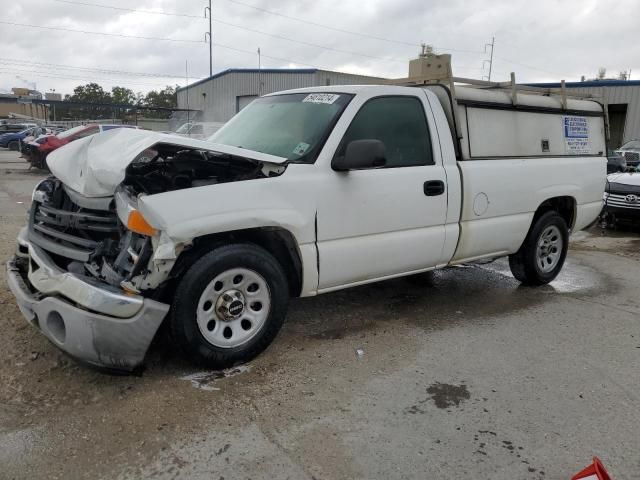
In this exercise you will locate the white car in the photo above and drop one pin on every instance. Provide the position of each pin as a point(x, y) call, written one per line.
point(303, 192)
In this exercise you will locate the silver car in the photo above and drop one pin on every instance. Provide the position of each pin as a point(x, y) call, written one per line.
point(630, 151)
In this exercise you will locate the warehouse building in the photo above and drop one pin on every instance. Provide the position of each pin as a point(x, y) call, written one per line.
point(623, 99)
point(220, 97)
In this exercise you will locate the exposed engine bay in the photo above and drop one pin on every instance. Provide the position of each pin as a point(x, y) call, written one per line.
point(167, 167)
point(89, 236)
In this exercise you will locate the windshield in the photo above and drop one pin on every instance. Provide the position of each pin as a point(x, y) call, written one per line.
point(184, 128)
point(293, 126)
point(633, 144)
point(70, 132)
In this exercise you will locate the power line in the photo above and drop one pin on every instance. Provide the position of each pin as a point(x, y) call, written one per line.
point(13, 61)
point(241, 27)
point(302, 42)
point(281, 37)
point(228, 47)
point(280, 59)
point(111, 7)
point(350, 32)
point(174, 14)
point(92, 78)
point(100, 33)
point(528, 66)
point(168, 39)
point(322, 25)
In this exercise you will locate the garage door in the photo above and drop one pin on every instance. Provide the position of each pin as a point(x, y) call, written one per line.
point(243, 101)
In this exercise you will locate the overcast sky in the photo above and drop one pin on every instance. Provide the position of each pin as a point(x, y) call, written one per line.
point(543, 40)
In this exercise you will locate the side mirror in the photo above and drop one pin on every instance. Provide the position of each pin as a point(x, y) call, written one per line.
point(360, 154)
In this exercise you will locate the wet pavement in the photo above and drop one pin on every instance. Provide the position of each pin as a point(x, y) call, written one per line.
point(459, 374)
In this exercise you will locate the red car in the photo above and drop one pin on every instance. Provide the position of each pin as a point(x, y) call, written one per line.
point(40, 148)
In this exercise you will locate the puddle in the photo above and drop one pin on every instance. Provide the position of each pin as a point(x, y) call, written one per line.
point(573, 278)
point(206, 380)
point(445, 395)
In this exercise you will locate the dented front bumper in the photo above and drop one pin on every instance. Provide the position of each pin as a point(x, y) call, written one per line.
point(91, 321)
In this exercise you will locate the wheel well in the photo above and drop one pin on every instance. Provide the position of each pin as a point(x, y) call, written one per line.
point(565, 206)
point(277, 241)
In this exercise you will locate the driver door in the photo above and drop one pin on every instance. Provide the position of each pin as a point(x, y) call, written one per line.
point(382, 222)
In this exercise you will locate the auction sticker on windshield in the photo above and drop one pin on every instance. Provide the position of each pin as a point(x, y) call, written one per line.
point(328, 98)
point(301, 148)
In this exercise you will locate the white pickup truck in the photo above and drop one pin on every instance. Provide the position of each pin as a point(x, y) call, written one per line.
point(303, 192)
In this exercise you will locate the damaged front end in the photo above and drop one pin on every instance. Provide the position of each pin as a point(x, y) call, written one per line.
point(89, 266)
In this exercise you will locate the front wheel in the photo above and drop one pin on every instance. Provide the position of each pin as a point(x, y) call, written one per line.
point(13, 145)
point(543, 252)
point(229, 305)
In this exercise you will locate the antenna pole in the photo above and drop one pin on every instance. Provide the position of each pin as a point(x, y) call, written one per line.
point(186, 76)
point(210, 33)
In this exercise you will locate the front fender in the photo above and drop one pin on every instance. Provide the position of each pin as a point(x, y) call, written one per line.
point(287, 201)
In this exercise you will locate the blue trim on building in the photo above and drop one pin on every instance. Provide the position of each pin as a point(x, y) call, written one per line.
point(590, 84)
point(250, 70)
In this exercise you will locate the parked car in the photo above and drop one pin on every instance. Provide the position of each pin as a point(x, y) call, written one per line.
point(630, 151)
point(15, 127)
point(616, 163)
point(37, 151)
point(622, 198)
point(199, 130)
point(12, 140)
point(303, 192)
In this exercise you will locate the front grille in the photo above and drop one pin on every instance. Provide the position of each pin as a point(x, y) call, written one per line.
point(632, 157)
point(61, 227)
point(620, 201)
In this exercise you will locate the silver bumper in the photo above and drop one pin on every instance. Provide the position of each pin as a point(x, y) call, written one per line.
point(87, 320)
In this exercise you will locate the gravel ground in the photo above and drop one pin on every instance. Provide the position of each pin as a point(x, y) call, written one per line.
point(463, 374)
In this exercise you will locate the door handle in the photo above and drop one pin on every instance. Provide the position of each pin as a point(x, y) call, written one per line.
point(433, 188)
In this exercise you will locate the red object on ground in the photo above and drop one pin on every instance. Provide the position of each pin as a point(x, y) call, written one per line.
point(595, 471)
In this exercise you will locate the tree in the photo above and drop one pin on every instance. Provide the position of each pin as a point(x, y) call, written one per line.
point(165, 98)
point(89, 93)
point(92, 93)
point(123, 96)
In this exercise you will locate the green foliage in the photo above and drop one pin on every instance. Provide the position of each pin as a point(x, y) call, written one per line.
point(93, 93)
point(165, 98)
point(123, 96)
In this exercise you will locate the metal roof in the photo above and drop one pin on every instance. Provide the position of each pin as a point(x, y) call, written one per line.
point(591, 83)
point(250, 70)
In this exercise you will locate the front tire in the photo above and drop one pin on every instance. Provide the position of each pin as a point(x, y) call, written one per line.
point(13, 145)
point(229, 306)
point(543, 252)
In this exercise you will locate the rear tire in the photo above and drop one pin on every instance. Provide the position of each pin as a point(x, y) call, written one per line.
point(13, 145)
point(543, 252)
point(229, 306)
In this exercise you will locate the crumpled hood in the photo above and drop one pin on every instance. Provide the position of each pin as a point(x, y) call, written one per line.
point(94, 166)
point(625, 178)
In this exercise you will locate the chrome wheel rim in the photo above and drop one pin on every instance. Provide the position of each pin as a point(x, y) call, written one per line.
point(549, 249)
point(233, 307)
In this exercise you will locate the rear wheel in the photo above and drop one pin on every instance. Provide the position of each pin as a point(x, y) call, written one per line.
point(229, 305)
point(13, 145)
point(543, 252)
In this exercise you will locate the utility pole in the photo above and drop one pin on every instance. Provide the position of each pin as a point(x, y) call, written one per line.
point(490, 61)
point(210, 34)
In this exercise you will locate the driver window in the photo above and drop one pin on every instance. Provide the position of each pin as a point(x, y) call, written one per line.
point(399, 123)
